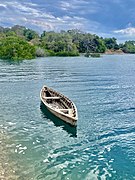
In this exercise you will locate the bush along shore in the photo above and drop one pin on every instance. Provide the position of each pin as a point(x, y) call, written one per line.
point(19, 42)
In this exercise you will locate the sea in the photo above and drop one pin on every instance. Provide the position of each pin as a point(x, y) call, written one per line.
point(34, 145)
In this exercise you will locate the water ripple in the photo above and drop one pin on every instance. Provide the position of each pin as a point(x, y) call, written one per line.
point(44, 148)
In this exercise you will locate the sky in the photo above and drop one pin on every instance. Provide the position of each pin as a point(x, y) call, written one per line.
point(106, 18)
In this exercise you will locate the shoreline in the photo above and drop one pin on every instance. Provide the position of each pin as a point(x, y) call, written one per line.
point(6, 168)
point(80, 55)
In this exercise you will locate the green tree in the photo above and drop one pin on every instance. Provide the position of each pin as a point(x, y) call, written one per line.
point(59, 43)
point(111, 43)
point(30, 34)
point(129, 47)
point(16, 48)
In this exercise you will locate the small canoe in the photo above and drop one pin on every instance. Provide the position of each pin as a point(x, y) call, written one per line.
point(59, 105)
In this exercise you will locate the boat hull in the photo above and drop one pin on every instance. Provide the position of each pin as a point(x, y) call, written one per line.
point(60, 113)
point(68, 120)
point(71, 130)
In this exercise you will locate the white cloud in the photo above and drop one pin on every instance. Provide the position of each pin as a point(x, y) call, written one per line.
point(30, 4)
point(80, 5)
point(22, 8)
point(3, 5)
point(65, 5)
point(41, 24)
point(34, 16)
point(128, 31)
point(26, 9)
point(73, 4)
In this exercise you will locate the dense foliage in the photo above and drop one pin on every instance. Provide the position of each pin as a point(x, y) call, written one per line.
point(19, 42)
point(129, 47)
point(16, 48)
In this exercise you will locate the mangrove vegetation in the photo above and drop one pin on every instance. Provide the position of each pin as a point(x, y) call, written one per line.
point(19, 42)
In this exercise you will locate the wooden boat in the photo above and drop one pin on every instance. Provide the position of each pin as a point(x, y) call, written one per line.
point(59, 105)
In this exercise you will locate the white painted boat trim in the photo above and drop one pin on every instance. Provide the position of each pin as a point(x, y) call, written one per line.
point(59, 112)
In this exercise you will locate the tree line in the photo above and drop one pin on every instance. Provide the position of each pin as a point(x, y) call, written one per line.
point(19, 42)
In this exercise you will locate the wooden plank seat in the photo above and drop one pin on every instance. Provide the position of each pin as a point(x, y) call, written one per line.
point(68, 111)
point(52, 97)
point(64, 109)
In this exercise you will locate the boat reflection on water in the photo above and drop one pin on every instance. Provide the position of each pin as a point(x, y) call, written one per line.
point(72, 130)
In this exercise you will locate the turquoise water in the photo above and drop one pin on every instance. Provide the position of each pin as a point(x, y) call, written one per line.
point(43, 148)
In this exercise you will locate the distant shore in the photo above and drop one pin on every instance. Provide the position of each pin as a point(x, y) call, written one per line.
point(19, 42)
point(119, 51)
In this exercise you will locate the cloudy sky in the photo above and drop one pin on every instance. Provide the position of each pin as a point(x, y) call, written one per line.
point(107, 18)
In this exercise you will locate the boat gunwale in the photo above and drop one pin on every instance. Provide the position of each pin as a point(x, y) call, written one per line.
point(57, 110)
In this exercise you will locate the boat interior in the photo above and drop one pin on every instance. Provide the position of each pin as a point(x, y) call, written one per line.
point(59, 102)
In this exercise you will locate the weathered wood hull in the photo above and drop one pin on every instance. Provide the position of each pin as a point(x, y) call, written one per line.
point(65, 117)
point(71, 130)
point(69, 120)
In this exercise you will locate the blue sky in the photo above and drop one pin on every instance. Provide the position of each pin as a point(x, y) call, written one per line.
point(114, 18)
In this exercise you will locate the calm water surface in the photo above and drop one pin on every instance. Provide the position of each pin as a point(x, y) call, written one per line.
point(38, 147)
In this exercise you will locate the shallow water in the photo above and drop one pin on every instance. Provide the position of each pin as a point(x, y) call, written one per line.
point(40, 147)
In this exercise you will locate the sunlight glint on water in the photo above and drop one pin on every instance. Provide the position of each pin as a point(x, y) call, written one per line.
point(102, 146)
